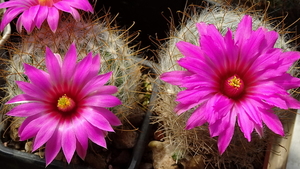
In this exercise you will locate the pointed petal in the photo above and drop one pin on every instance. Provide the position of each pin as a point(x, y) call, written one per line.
point(49, 123)
point(175, 77)
point(69, 63)
point(226, 136)
point(27, 21)
point(53, 66)
point(22, 98)
point(81, 4)
point(244, 30)
point(245, 123)
point(53, 18)
point(96, 119)
point(96, 135)
point(102, 101)
point(9, 15)
point(81, 151)
point(27, 109)
point(79, 127)
point(68, 140)
point(108, 115)
point(42, 16)
point(198, 118)
point(63, 6)
point(53, 146)
point(95, 84)
point(190, 50)
point(75, 14)
point(38, 77)
point(32, 90)
point(29, 127)
point(95, 67)
point(272, 121)
point(104, 90)
point(82, 70)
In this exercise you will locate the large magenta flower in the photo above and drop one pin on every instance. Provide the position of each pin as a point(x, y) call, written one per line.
point(66, 106)
point(230, 78)
point(35, 12)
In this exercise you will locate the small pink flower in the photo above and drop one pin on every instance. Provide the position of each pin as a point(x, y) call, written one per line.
point(66, 106)
point(229, 79)
point(35, 12)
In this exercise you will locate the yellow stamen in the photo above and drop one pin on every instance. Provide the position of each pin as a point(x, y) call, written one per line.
point(235, 82)
point(65, 103)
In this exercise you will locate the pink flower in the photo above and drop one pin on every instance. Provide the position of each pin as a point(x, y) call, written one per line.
point(229, 79)
point(66, 106)
point(35, 12)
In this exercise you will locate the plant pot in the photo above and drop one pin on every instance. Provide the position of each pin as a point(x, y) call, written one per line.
point(283, 152)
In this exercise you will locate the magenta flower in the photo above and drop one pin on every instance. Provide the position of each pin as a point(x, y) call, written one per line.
point(35, 12)
point(66, 106)
point(229, 79)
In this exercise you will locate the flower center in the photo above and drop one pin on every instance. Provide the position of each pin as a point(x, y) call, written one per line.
point(65, 103)
point(233, 86)
point(48, 3)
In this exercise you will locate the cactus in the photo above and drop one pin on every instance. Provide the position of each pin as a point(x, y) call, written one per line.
point(115, 46)
point(184, 144)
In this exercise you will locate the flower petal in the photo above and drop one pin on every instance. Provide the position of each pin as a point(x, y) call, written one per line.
point(22, 98)
point(226, 136)
point(69, 63)
point(9, 15)
point(245, 123)
point(29, 128)
point(96, 119)
point(38, 77)
point(48, 124)
point(31, 90)
point(68, 140)
point(53, 146)
point(81, 4)
point(102, 101)
point(53, 66)
point(79, 127)
point(272, 121)
point(82, 70)
point(42, 16)
point(27, 21)
point(95, 84)
point(81, 151)
point(198, 118)
point(108, 115)
point(174, 77)
point(53, 18)
point(244, 30)
point(27, 109)
point(96, 135)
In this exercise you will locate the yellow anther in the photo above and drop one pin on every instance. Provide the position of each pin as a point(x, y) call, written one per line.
point(65, 103)
point(235, 82)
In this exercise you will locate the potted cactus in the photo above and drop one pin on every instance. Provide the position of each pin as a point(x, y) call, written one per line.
point(207, 78)
point(98, 94)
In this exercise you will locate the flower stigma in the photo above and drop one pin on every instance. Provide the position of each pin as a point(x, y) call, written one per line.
point(234, 86)
point(65, 103)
